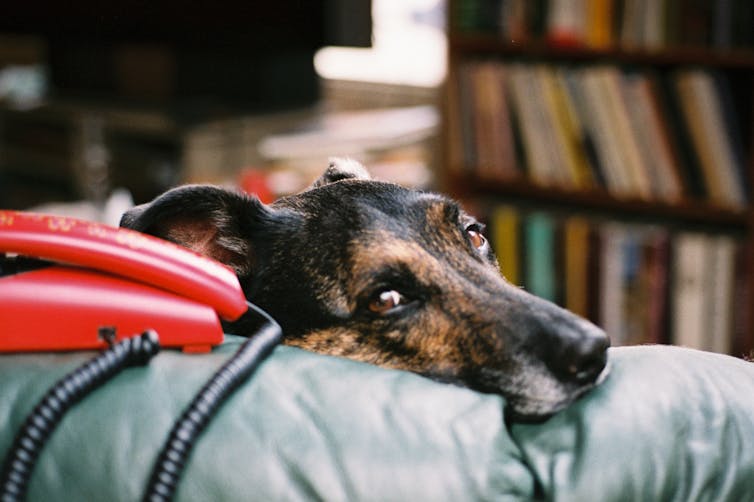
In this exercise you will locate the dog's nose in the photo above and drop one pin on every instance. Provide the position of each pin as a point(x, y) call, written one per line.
point(579, 352)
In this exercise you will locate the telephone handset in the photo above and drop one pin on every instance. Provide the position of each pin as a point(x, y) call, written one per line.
point(106, 277)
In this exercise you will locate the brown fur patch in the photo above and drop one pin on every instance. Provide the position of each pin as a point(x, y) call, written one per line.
point(439, 340)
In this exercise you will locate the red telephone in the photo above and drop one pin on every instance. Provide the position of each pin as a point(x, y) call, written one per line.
point(107, 277)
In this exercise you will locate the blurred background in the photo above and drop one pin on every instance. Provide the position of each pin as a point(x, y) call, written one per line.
point(606, 143)
point(145, 95)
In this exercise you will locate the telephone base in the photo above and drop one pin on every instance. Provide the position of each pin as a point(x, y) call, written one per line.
point(60, 308)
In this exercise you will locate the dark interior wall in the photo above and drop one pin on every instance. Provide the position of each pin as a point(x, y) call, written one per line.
point(253, 54)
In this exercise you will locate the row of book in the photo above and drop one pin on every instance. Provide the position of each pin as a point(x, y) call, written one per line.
point(641, 283)
point(636, 134)
point(604, 24)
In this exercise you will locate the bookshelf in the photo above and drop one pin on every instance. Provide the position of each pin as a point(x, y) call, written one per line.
point(623, 132)
point(71, 149)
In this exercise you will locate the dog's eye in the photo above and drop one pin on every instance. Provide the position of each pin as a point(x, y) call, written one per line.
point(474, 232)
point(385, 301)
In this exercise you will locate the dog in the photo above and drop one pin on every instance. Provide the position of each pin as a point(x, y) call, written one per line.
point(391, 276)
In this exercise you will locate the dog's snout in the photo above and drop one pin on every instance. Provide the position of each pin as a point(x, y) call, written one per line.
point(579, 352)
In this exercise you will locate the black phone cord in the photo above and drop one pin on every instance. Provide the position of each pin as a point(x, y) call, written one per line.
point(41, 422)
point(172, 459)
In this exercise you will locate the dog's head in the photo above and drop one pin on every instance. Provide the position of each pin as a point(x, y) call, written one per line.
point(391, 276)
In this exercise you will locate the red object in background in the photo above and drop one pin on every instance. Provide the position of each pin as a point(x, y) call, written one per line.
point(113, 277)
point(255, 182)
point(564, 39)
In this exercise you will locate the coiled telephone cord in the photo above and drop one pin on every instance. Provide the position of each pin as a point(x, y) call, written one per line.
point(72, 388)
point(176, 450)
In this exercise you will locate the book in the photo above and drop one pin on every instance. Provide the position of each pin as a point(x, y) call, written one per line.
point(599, 21)
point(630, 36)
point(702, 149)
point(559, 172)
point(595, 272)
point(566, 23)
point(743, 338)
point(576, 234)
point(506, 241)
point(703, 291)
point(690, 259)
point(652, 24)
point(667, 148)
point(719, 288)
point(720, 135)
point(541, 279)
point(611, 291)
point(732, 121)
point(484, 108)
point(657, 277)
point(566, 129)
point(651, 138)
point(527, 105)
point(578, 111)
point(704, 115)
point(633, 166)
point(600, 120)
point(515, 19)
point(495, 150)
point(633, 283)
point(680, 134)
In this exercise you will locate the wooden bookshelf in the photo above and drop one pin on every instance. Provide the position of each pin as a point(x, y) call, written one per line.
point(522, 191)
point(485, 44)
point(470, 180)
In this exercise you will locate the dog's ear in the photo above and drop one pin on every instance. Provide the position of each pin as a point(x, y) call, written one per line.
point(210, 220)
point(342, 169)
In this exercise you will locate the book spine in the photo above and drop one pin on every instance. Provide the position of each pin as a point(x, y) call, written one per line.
point(658, 290)
point(611, 283)
point(540, 256)
point(651, 140)
point(506, 241)
point(690, 259)
point(719, 284)
point(530, 120)
point(576, 231)
point(569, 148)
point(600, 120)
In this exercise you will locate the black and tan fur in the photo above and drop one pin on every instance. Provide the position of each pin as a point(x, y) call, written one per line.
point(395, 277)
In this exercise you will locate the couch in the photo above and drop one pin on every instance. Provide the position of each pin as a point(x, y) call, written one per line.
point(668, 424)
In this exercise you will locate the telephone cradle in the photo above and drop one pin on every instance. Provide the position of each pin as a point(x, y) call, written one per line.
point(97, 277)
point(69, 284)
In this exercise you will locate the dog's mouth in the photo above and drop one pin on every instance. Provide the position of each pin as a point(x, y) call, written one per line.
point(546, 398)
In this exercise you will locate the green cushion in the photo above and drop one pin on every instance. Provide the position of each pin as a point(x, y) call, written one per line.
point(669, 424)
